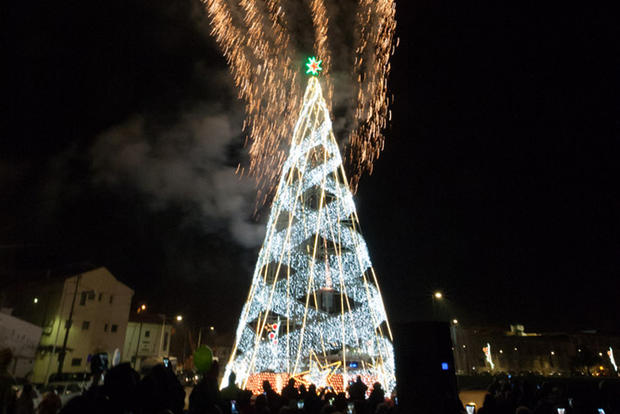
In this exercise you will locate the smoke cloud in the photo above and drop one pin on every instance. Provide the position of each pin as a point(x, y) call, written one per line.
point(187, 165)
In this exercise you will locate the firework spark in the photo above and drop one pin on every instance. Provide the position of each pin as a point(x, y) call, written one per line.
point(256, 39)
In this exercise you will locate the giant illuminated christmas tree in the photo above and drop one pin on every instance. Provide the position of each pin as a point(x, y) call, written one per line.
point(314, 311)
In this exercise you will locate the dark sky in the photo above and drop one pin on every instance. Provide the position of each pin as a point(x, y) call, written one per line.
point(498, 183)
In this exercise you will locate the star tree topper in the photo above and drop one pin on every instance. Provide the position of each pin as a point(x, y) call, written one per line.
point(314, 66)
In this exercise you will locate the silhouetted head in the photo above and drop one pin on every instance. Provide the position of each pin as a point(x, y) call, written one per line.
point(261, 401)
point(121, 381)
point(232, 378)
point(291, 382)
point(489, 401)
point(214, 371)
point(359, 379)
point(266, 386)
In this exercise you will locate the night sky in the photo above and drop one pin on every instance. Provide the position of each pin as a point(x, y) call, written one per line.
point(498, 183)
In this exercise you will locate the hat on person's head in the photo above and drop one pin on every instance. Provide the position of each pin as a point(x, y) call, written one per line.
point(6, 355)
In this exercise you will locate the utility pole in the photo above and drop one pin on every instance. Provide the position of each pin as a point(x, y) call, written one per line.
point(63, 351)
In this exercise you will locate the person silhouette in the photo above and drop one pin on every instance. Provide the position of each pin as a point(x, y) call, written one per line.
point(7, 395)
point(231, 392)
point(24, 404)
point(273, 399)
point(357, 390)
point(290, 392)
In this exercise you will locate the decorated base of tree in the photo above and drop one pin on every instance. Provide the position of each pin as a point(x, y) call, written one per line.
point(314, 312)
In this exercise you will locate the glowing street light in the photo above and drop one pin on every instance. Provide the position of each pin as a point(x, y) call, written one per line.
point(455, 321)
point(179, 318)
point(211, 328)
point(35, 300)
point(438, 295)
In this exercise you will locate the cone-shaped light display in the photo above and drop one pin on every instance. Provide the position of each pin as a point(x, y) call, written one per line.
point(314, 311)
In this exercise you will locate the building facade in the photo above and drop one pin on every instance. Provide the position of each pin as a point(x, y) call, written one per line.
point(23, 339)
point(147, 340)
point(99, 306)
point(480, 350)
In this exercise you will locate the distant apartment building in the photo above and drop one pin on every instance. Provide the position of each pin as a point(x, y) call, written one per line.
point(147, 340)
point(100, 307)
point(480, 350)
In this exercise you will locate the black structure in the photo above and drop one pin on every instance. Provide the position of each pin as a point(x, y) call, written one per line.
point(425, 377)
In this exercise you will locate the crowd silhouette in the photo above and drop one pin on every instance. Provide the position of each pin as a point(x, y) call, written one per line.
point(123, 391)
point(523, 396)
point(294, 398)
point(160, 392)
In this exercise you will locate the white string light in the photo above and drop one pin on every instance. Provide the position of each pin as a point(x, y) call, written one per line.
point(487, 354)
point(610, 353)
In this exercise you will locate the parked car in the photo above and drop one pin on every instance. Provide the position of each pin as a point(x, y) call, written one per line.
point(65, 391)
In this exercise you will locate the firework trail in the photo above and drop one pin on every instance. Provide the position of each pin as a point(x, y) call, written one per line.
point(257, 39)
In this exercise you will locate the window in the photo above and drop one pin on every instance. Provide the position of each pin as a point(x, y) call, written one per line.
point(147, 334)
point(83, 297)
point(105, 328)
point(111, 299)
point(114, 328)
point(100, 297)
point(85, 325)
point(165, 340)
point(76, 362)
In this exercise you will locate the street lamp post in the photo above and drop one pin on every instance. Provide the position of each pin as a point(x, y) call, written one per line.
point(437, 296)
point(211, 332)
point(161, 338)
